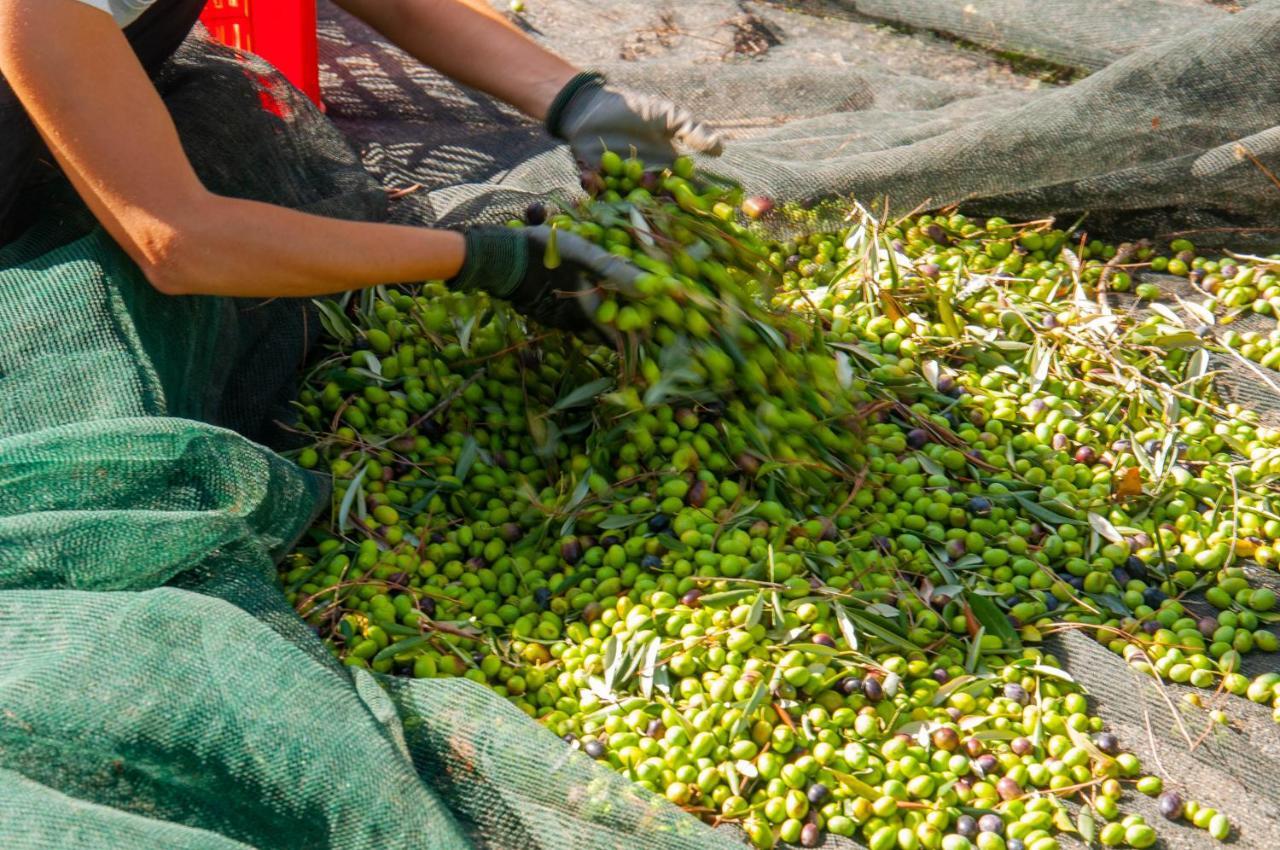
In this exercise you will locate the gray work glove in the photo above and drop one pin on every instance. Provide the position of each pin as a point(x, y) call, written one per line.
point(594, 117)
point(509, 263)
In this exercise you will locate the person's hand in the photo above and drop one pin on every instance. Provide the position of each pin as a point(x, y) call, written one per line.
point(594, 117)
point(512, 263)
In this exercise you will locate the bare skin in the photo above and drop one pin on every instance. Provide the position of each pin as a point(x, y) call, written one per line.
point(101, 117)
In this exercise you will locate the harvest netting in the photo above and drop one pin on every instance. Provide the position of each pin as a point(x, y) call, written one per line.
point(156, 686)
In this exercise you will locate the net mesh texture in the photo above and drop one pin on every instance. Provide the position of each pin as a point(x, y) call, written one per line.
point(156, 690)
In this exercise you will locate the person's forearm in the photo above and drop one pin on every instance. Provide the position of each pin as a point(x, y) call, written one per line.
point(243, 248)
point(472, 44)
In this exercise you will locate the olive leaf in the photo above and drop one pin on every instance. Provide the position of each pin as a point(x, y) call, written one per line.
point(731, 779)
point(928, 464)
point(348, 498)
point(1046, 670)
point(1198, 365)
point(466, 458)
point(931, 371)
point(1085, 826)
point(464, 333)
point(583, 394)
point(1104, 528)
point(975, 648)
point(1040, 359)
point(1165, 313)
point(939, 563)
point(854, 784)
point(334, 321)
point(616, 521)
point(992, 619)
point(1086, 743)
point(580, 491)
point(616, 659)
point(757, 610)
point(398, 647)
point(940, 696)
point(724, 598)
point(1043, 513)
point(846, 626)
point(878, 627)
point(883, 610)
point(748, 708)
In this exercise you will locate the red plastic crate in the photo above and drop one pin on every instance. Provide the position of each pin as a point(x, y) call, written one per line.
point(283, 32)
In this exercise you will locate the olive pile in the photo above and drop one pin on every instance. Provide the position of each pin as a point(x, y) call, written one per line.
point(1235, 286)
point(784, 553)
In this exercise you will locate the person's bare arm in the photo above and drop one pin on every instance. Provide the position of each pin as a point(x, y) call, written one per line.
point(469, 42)
point(100, 115)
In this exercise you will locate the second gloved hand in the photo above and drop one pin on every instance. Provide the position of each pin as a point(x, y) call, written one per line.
point(594, 117)
point(511, 263)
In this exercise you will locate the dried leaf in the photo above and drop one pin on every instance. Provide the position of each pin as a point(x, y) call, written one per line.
point(1129, 483)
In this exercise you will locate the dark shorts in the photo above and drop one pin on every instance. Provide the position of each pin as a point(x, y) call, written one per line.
point(154, 38)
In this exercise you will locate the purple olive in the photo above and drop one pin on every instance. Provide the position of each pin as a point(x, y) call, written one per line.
point(1170, 805)
point(1017, 693)
point(1008, 788)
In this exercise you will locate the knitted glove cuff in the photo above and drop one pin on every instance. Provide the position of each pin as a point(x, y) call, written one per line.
point(582, 81)
point(496, 261)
